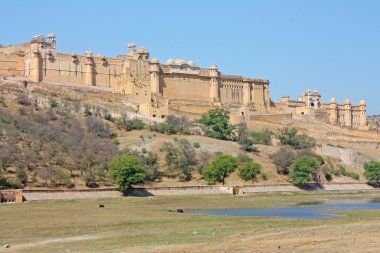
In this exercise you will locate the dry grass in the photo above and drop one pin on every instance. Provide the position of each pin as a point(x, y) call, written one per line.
point(144, 224)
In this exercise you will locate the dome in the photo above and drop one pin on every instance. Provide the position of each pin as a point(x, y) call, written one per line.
point(154, 60)
point(180, 61)
point(315, 91)
point(213, 66)
point(190, 63)
point(362, 102)
point(89, 53)
point(347, 102)
point(333, 101)
point(170, 61)
point(51, 35)
point(131, 45)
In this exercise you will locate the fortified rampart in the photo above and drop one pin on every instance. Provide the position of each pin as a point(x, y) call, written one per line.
point(349, 157)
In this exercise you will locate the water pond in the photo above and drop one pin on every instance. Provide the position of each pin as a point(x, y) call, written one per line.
point(301, 211)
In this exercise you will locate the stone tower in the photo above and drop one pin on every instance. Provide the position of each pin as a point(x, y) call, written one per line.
point(347, 113)
point(363, 114)
point(36, 66)
point(333, 117)
point(154, 76)
point(214, 83)
point(89, 77)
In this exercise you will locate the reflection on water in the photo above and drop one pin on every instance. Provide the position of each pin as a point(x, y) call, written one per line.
point(308, 210)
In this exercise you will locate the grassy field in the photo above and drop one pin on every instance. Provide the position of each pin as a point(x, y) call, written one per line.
point(145, 224)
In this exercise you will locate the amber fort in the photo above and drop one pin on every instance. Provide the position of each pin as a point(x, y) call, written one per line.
point(176, 87)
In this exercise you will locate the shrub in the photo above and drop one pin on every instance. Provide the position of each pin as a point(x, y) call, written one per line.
point(116, 141)
point(53, 103)
point(22, 176)
point(2, 101)
point(217, 123)
point(108, 117)
point(63, 178)
point(220, 168)
point(249, 170)
point(264, 137)
point(89, 178)
point(302, 169)
point(175, 139)
point(143, 150)
point(289, 136)
point(196, 144)
point(126, 170)
point(264, 176)
point(87, 111)
point(23, 99)
point(372, 172)
point(283, 160)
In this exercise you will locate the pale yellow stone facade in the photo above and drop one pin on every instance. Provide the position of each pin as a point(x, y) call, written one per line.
point(345, 115)
point(159, 89)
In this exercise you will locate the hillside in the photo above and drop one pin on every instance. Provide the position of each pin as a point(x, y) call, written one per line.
point(62, 136)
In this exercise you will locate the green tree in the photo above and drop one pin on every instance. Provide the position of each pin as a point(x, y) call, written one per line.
point(302, 169)
point(126, 170)
point(372, 172)
point(217, 122)
point(221, 167)
point(289, 136)
point(249, 170)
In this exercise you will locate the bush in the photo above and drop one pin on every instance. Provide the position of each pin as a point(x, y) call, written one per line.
point(249, 170)
point(221, 167)
point(23, 99)
point(87, 111)
point(196, 144)
point(2, 101)
point(217, 123)
point(143, 150)
point(372, 172)
point(283, 160)
point(126, 170)
point(264, 176)
point(264, 137)
point(53, 103)
point(63, 178)
point(22, 176)
point(302, 169)
point(108, 117)
point(90, 179)
point(289, 136)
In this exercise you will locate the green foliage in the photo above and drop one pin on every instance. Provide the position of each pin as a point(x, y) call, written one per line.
point(180, 159)
point(108, 117)
point(249, 170)
point(302, 169)
point(63, 178)
point(3, 101)
point(126, 170)
point(289, 136)
point(22, 176)
point(196, 144)
point(342, 171)
point(87, 111)
point(143, 150)
point(217, 123)
point(264, 137)
point(164, 128)
point(221, 167)
point(264, 176)
point(129, 125)
point(115, 141)
point(372, 172)
point(53, 103)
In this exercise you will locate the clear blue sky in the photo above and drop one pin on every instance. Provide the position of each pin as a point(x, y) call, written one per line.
point(331, 45)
